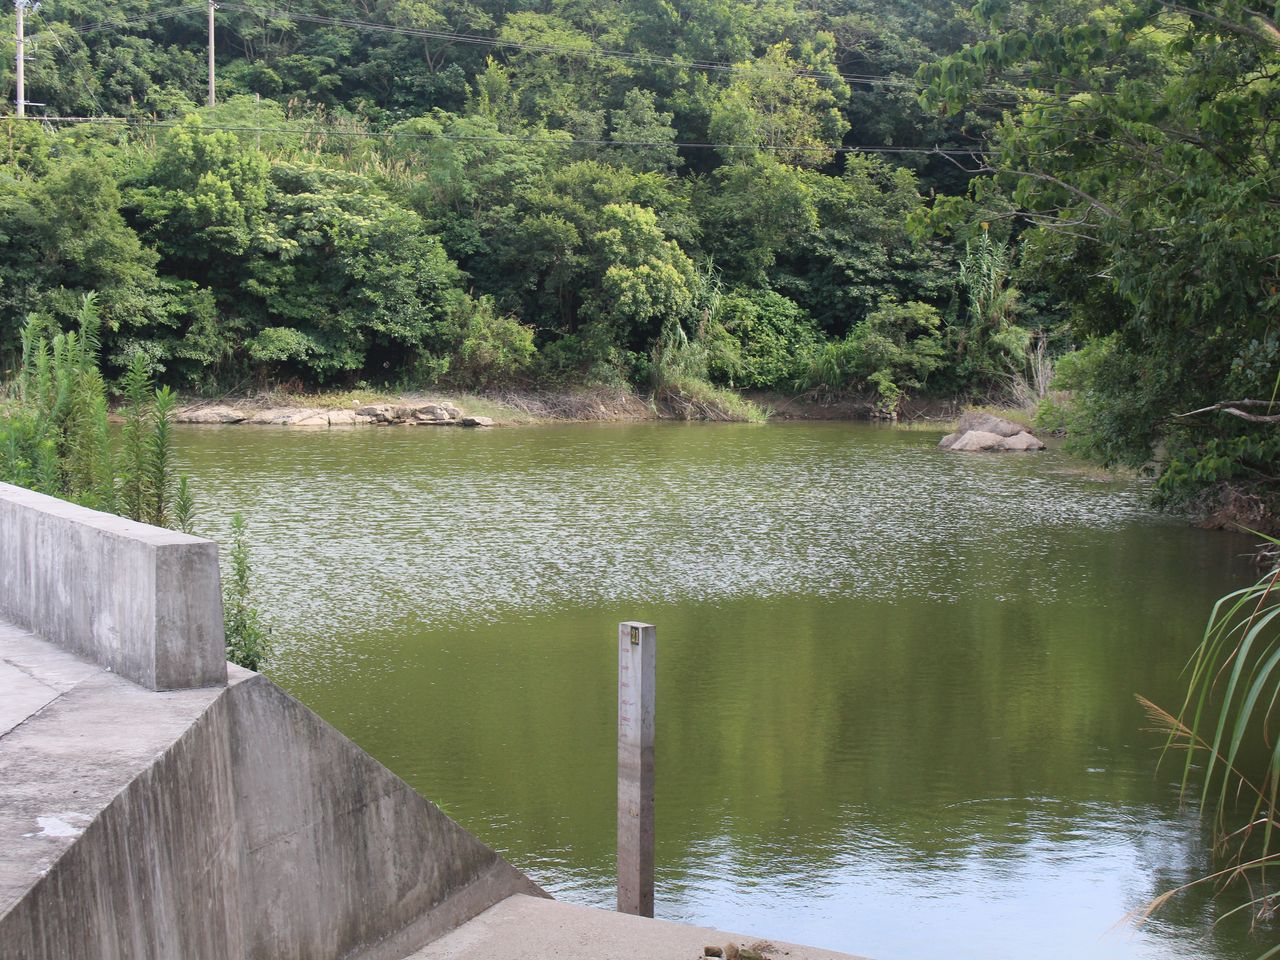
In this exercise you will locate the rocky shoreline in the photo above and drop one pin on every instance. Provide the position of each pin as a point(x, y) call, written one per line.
point(430, 414)
point(517, 408)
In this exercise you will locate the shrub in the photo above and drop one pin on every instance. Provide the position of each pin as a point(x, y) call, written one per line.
point(680, 367)
point(491, 347)
point(894, 349)
point(772, 339)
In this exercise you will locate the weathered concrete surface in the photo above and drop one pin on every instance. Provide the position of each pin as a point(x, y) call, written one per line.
point(219, 822)
point(520, 928)
point(61, 766)
point(141, 601)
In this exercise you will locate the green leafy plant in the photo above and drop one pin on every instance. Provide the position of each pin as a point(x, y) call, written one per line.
point(680, 376)
point(991, 347)
point(1228, 726)
point(248, 638)
point(893, 350)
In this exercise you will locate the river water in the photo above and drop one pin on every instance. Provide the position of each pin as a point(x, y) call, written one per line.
point(896, 686)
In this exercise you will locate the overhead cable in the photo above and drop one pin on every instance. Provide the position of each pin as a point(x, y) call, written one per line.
point(549, 141)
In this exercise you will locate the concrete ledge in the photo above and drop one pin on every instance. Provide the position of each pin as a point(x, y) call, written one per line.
point(143, 602)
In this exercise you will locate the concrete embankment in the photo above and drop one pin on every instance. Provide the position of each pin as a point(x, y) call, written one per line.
point(157, 803)
point(214, 822)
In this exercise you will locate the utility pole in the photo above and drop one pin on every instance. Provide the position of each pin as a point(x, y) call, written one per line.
point(21, 7)
point(212, 7)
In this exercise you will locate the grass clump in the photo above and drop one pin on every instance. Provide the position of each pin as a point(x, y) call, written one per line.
point(680, 379)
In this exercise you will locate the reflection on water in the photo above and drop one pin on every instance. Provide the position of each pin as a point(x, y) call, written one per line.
point(896, 710)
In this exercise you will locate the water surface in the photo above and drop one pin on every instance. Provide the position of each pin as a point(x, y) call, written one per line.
point(896, 686)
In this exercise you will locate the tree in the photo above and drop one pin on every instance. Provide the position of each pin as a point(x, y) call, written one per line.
point(1152, 161)
point(62, 236)
point(647, 278)
point(648, 132)
point(779, 105)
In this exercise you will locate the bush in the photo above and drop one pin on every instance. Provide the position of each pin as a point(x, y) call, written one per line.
point(491, 347)
point(894, 349)
point(54, 438)
point(773, 338)
point(680, 367)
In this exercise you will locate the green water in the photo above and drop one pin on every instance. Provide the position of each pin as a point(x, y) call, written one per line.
point(896, 686)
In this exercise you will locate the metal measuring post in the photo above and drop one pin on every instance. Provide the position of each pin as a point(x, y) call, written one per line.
point(637, 663)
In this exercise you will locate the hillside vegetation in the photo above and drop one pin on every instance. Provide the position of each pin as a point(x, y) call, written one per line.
point(680, 195)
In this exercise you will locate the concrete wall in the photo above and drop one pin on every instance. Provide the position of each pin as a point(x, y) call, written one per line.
point(261, 833)
point(142, 601)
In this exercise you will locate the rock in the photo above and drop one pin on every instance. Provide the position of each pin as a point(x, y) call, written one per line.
point(977, 440)
point(437, 423)
point(286, 416)
point(731, 952)
point(315, 420)
point(477, 421)
point(345, 418)
point(377, 412)
point(453, 412)
point(983, 423)
point(208, 415)
point(988, 424)
point(1021, 442)
point(712, 952)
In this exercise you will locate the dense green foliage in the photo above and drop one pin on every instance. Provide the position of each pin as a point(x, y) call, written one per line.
point(1147, 168)
point(387, 206)
point(490, 193)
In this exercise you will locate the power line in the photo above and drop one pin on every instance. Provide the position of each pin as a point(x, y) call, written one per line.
point(424, 33)
point(625, 55)
point(550, 141)
point(136, 19)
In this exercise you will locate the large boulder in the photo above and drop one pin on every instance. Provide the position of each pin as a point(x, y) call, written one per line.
point(1021, 442)
point(984, 441)
point(346, 418)
point(208, 415)
point(477, 421)
point(988, 426)
point(378, 412)
point(975, 441)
